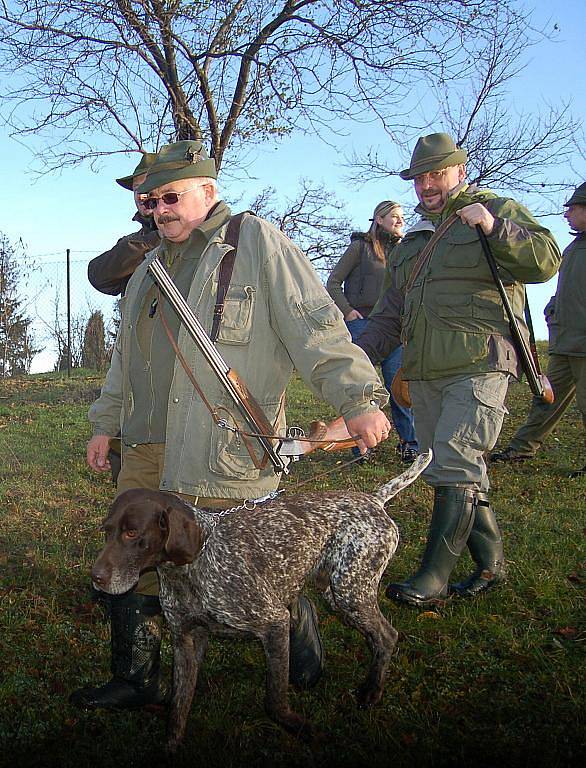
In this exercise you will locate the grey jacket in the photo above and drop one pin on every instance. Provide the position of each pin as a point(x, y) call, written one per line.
point(278, 317)
point(361, 273)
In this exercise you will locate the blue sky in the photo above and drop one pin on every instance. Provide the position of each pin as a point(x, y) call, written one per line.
point(86, 211)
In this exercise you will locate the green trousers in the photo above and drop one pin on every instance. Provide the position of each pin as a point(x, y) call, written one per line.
point(567, 375)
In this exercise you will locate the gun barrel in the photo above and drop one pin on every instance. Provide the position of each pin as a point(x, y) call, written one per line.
point(527, 362)
point(213, 357)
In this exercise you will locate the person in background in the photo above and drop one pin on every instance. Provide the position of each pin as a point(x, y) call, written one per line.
point(565, 314)
point(355, 286)
point(110, 271)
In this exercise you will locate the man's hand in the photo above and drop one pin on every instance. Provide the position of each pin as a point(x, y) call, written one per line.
point(477, 214)
point(369, 429)
point(97, 453)
point(354, 314)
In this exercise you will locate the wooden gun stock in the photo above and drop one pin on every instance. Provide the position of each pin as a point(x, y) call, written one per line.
point(255, 412)
point(331, 437)
point(546, 394)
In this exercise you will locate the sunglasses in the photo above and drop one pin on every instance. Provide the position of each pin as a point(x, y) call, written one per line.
point(169, 198)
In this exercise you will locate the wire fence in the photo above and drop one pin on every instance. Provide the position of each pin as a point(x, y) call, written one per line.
point(58, 295)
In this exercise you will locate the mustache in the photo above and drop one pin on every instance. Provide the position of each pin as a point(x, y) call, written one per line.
point(166, 219)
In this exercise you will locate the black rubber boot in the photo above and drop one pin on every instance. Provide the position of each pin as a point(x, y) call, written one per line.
point(451, 521)
point(136, 643)
point(306, 653)
point(486, 548)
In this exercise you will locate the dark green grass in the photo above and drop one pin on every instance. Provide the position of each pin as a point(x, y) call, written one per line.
point(496, 681)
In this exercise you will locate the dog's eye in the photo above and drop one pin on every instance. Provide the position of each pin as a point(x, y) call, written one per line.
point(130, 534)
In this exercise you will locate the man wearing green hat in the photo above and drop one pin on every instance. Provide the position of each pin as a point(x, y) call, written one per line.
point(277, 317)
point(566, 320)
point(457, 352)
point(110, 271)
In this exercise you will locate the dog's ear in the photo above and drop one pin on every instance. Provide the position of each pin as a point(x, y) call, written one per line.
point(184, 536)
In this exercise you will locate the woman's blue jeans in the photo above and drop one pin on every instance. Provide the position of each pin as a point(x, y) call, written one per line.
point(402, 417)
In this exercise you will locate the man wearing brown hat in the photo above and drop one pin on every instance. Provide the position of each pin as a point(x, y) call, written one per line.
point(566, 320)
point(110, 271)
point(457, 352)
point(277, 316)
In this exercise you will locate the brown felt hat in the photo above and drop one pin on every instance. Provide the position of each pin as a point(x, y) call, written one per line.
point(433, 153)
point(147, 159)
point(578, 196)
point(181, 160)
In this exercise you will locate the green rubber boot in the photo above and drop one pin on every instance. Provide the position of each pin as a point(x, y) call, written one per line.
point(136, 643)
point(451, 522)
point(486, 548)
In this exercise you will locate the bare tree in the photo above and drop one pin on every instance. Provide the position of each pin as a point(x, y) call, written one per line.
point(91, 76)
point(314, 219)
point(63, 338)
point(507, 148)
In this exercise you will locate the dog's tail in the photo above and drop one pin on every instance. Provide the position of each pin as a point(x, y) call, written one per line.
point(393, 487)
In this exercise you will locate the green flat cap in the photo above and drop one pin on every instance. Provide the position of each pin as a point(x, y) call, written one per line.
point(432, 153)
point(147, 159)
point(578, 196)
point(181, 160)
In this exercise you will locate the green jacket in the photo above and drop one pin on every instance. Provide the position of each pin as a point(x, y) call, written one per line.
point(567, 311)
point(277, 317)
point(453, 321)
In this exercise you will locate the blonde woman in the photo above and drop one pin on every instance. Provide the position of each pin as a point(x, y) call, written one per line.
point(355, 284)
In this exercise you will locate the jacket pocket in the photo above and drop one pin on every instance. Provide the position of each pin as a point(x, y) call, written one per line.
point(320, 315)
point(487, 308)
point(229, 456)
point(453, 305)
point(461, 248)
point(236, 324)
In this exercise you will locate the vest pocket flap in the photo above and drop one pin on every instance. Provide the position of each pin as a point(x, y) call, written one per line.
point(453, 305)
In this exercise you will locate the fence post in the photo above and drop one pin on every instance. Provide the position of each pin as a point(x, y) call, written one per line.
point(68, 314)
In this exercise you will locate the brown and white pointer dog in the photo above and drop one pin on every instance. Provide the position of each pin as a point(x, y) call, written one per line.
point(237, 574)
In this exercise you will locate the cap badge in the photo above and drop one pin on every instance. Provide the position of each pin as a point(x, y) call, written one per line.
point(192, 157)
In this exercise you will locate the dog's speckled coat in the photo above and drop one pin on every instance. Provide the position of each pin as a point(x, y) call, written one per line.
point(252, 567)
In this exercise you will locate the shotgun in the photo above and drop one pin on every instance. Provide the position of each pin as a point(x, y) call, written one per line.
point(328, 437)
point(538, 383)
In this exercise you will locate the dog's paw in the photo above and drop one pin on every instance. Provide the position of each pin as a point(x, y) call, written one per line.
point(368, 695)
point(297, 726)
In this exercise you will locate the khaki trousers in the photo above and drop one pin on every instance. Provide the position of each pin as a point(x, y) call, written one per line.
point(460, 419)
point(568, 378)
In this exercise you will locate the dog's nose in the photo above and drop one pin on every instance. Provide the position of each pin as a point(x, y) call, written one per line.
point(98, 576)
